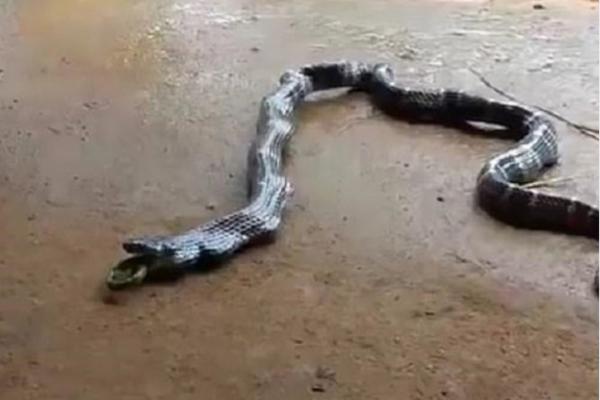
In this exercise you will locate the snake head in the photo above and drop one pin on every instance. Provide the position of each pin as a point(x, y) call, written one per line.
point(137, 269)
point(156, 246)
point(153, 258)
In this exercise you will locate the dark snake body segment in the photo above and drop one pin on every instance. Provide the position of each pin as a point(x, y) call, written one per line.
point(498, 188)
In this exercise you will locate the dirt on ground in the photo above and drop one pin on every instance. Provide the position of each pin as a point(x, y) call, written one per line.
point(127, 117)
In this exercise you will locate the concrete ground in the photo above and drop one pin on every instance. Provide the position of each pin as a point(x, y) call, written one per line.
point(123, 117)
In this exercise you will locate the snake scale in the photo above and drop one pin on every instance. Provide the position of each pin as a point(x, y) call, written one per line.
point(499, 187)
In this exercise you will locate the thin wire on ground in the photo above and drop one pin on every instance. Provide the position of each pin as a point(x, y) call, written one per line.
point(586, 130)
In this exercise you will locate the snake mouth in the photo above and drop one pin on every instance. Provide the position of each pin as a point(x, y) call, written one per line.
point(135, 270)
point(129, 272)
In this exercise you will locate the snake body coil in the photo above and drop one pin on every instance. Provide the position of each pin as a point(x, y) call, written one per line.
point(498, 187)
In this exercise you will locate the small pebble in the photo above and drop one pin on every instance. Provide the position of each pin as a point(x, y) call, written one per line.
point(539, 6)
point(325, 373)
point(318, 388)
point(254, 49)
point(440, 199)
point(211, 206)
point(31, 217)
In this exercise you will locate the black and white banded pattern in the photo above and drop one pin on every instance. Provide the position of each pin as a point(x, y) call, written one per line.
point(499, 184)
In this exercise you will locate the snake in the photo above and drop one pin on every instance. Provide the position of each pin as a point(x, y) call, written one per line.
point(501, 188)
